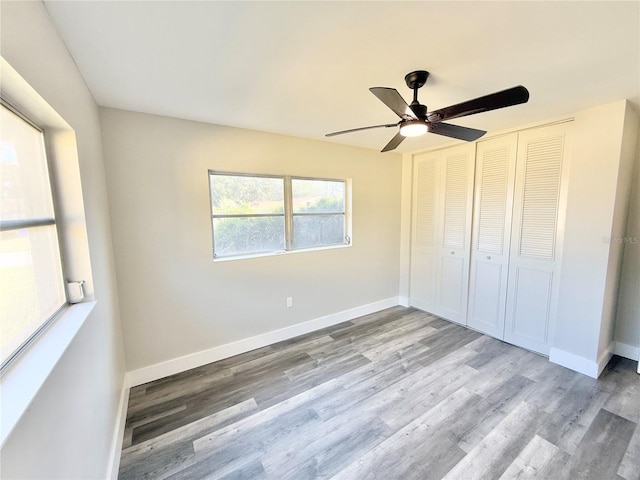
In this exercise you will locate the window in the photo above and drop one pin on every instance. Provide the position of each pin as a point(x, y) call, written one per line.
point(248, 214)
point(318, 212)
point(264, 214)
point(32, 288)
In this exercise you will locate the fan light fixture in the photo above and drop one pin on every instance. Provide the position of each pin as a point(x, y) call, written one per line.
point(413, 128)
point(415, 120)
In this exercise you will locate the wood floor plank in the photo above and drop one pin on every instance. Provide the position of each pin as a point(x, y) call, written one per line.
point(159, 465)
point(294, 348)
point(128, 431)
point(228, 447)
point(630, 465)
point(329, 444)
point(252, 470)
point(419, 398)
point(512, 391)
point(248, 467)
point(533, 461)
point(264, 382)
point(418, 450)
point(385, 315)
point(142, 406)
point(361, 387)
point(495, 453)
point(395, 395)
point(268, 417)
point(389, 348)
point(602, 448)
point(318, 376)
point(625, 403)
point(568, 424)
point(483, 418)
point(409, 390)
point(187, 433)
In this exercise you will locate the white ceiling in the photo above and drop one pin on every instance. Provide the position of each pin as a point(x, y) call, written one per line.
point(304, 68)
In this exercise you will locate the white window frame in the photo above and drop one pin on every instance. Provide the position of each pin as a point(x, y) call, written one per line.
point(25, 375)
point(288, 215)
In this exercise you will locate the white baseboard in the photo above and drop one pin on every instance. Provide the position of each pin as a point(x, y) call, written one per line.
point(604, 358)
point(574, 362)
point(403, 301)
point(180, 364)
point(580, 364)
point(626, 351)
point(118, 434)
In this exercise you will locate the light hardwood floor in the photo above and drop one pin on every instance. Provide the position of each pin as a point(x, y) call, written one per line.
point(394, 395)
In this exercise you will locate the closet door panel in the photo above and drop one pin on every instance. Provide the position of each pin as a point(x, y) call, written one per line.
point(495, 171)
point(450, 280)
point(534, 262)
point(486, 302)
point(531, 304)
point(426, 178)
point(454, 239)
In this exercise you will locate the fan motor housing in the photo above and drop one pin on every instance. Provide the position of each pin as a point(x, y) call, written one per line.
point(419, 110)
point(416, 79)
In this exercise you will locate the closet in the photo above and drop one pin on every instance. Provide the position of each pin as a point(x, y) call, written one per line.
point(534, 261)
point(490, 247)
point(485, 238)
point(442, 199)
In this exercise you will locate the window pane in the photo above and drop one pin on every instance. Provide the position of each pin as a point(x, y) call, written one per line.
point(318, 230)
point(317, 196)
point(232, 195)
point(24, 176)
point(245, 235)
point(31, 284)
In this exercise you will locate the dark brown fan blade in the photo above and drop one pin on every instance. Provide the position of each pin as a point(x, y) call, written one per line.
point(393, 143)
point(456, 131)
point(392, 99)
point(387, 125)
point(493, 101)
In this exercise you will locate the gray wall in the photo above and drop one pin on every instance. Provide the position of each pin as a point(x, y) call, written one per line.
point(174, 299)
point(67, 432)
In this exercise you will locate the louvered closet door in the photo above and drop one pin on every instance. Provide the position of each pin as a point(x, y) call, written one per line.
point(426, 176)
point(454, 235)
point(535, 250)
point(493, 200)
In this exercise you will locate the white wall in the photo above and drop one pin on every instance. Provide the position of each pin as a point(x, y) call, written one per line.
point(619, 227)
point(588, 281)
point(67, 432)
point(174, 299)
point(627, 328)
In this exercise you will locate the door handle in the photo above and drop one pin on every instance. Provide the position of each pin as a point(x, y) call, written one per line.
point(488, 257)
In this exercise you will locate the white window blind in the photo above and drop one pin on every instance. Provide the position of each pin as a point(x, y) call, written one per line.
point(31, 280)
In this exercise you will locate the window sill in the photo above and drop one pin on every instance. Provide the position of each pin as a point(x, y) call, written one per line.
point(22, 381)
point(279, 252)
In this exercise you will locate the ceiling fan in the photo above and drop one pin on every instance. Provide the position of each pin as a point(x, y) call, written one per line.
point(415, 120)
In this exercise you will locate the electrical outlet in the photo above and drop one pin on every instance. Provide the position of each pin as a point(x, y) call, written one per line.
point(289, 302)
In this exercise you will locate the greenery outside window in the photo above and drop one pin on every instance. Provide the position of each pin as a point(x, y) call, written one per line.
point(265, 214)
point(318, 212)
